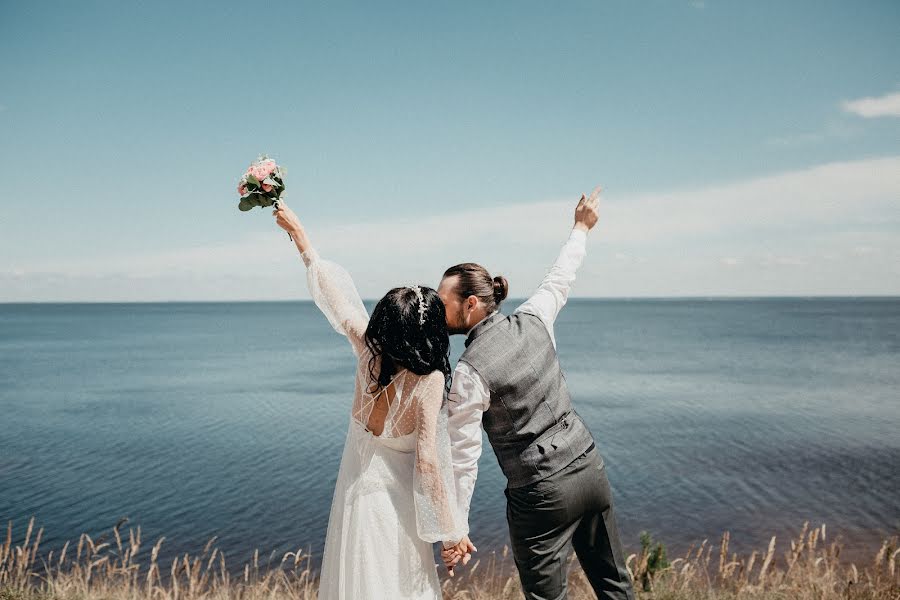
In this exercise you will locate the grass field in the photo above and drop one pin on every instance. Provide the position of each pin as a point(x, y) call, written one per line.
point(110, 569)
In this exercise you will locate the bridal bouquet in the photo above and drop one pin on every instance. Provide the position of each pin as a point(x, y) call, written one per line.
point(262, 184)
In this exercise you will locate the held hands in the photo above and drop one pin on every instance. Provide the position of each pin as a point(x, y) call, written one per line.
point(586, 214)
point(462, 551)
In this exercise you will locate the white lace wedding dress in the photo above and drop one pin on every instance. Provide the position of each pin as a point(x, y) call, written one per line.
point(395, 494)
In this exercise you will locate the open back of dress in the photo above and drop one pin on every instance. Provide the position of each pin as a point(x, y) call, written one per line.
point(395, 494)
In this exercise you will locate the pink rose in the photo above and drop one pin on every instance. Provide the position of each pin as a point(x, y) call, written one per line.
point(267, 170)
point(261, 169)
point(242, 189)
point(260, 172)
point(266, 187)
point(269, 166)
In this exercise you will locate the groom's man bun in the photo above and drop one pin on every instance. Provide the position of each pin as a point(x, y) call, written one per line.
point(501, 288)
point(474, 280)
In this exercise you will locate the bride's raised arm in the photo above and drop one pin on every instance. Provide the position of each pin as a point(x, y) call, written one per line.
point(330, 286)
point(437, 517)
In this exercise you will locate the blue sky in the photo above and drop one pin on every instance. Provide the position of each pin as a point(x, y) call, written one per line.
point(745, 148)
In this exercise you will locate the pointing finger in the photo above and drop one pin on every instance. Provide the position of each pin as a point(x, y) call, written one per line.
point(595, 195)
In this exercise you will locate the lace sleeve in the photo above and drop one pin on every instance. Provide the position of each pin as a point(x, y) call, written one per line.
point(333, 291)
point(437, 516)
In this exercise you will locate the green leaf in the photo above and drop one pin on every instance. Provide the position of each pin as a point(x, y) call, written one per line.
point(245, 204)
point(252, 180)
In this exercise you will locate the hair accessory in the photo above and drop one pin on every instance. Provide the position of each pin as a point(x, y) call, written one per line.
point(422, 306)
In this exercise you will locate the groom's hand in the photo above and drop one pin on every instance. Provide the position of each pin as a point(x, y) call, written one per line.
point(451, 558)
point(586, 213)
point(462, 551)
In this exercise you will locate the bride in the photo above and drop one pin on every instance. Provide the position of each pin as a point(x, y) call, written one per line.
point(395, 494)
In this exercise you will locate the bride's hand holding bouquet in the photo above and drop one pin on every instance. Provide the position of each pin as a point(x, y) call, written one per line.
point(288, 220)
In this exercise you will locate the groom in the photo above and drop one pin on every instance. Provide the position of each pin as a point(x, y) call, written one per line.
point(509, 380)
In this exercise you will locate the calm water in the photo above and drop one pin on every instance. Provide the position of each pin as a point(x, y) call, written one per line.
point(198, 420)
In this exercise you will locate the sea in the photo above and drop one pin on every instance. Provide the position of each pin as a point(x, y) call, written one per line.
point(201, 420)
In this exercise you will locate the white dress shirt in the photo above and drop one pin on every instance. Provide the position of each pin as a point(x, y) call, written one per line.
point(469, 396)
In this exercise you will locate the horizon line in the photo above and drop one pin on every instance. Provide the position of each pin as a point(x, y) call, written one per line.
point(711, 297)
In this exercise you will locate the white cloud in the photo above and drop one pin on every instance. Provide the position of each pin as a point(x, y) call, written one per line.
point(878, 106)
point(834, 129)
point(782, 261)
point(798, 232)
point(798, 139)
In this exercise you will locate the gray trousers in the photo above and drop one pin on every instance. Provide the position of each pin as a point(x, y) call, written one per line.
point(573, 505)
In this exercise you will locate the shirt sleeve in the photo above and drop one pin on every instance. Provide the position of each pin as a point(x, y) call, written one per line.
point(469, 397)
point(553, 292)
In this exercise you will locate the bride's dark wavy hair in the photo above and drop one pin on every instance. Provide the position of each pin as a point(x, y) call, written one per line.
point(394, 334)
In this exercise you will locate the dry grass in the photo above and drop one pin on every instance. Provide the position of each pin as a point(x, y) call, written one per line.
point(103, 571)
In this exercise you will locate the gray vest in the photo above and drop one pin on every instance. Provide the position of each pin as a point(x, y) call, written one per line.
point(530, 423)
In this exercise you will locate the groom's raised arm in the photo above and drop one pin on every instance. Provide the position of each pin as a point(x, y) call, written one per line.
point(553, 292)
